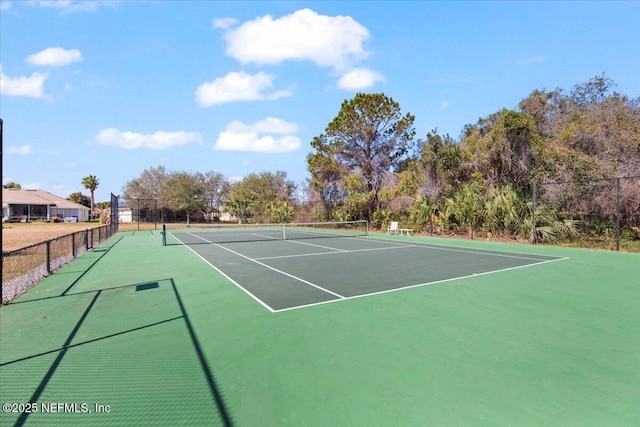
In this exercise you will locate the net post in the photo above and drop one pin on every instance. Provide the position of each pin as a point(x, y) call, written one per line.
point(617, 214)
point(164, 234)
point(533, 214)
point(114, 221)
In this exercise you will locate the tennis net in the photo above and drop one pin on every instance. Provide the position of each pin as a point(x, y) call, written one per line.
point(194, 234)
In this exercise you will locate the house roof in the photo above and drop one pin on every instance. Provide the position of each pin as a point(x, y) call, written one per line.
point(12, 196)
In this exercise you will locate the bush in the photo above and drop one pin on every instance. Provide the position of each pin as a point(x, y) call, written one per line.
point(630, 234)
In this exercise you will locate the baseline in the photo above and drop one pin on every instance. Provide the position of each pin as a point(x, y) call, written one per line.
point(419, 285)
point(479, 251)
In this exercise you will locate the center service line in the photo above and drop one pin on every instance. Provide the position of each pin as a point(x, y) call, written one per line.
point(276, 270)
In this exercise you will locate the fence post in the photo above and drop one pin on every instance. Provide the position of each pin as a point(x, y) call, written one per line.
point(533, 215)
point(73, 245)
point(48, 255)
point(617, 214)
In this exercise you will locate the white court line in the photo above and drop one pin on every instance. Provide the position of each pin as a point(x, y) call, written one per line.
point(246, 291)
point(336, 253)
point(265, 236)
point(483, 252)
point(275, 269)
point(398, 246)
point(229, 235)
point(421, 285)
point(490, 252)
point(317, 246)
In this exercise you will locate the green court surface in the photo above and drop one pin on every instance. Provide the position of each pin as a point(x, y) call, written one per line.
point(365, 330)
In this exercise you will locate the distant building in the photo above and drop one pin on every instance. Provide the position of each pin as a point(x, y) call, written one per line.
point(125, 214)
point(29, 205)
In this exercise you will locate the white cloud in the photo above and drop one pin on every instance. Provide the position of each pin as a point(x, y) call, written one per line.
point(58, 4)
point(21, 150)
point(238, 136)
point(328, 41)
point(232, 141)
point(90, 6)
point(26, 149)
point(267, 125)
point(360, 78)
point(32, 86)
point(238, 86)
point(224, 23)
point(55, 57)
point(444, 105)
point(32, 186)
point(160, 140)
point(69, 6)
point(5, 5)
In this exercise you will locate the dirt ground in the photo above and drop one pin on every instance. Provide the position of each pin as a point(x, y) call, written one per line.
point(17, 235)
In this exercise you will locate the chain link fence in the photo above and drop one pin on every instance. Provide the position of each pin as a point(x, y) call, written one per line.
point(157, 212)
point(24, 267)
point(599, 213)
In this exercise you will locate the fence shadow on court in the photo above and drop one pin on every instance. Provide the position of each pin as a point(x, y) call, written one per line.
point(75, 342)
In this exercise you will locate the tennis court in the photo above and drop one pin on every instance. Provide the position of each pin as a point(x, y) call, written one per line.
point(293, 267)
point(286, 329)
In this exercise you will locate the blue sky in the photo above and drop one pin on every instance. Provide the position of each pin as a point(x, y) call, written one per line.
point(111, 88)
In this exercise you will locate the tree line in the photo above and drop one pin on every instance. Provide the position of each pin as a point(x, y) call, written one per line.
point(369, 164)
point(264, 197)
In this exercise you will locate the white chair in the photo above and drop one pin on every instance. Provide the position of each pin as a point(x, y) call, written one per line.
point(393, 228)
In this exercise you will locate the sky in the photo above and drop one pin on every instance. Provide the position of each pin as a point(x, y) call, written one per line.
point(112, 88)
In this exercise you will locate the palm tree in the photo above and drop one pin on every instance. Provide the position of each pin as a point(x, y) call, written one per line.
point(466, 206)
point(424, 211)
point(91, 182)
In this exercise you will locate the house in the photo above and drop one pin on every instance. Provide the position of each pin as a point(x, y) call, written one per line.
point(125, 214)
point(28, 205)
